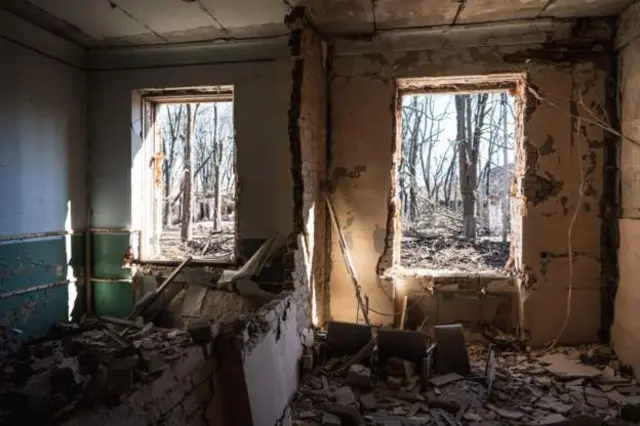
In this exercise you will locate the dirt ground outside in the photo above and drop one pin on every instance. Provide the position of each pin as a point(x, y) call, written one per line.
point(206, 243)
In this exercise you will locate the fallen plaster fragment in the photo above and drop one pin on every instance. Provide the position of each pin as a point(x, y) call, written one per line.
point(445, 379)
point(507, 414)
point(329, 419)
point(368, 402)
point(358, 376)
point(552, 419)
point(563, 366)
point(344, 395)
point(472, 417)
point(240, 281)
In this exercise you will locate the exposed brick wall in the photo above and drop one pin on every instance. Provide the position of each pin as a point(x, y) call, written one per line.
point(185, 394)
point(307, 132)
point(362, 96)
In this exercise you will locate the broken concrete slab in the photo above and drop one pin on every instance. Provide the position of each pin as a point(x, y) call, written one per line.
point(330, 419)
point(344, 395)
point(368, 402)
point(358, 376)
point(445, 379)
point(564, 367)
point(193, 300)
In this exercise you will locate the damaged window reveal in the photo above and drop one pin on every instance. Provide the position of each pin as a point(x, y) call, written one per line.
point(192, 208)
point(457, 171)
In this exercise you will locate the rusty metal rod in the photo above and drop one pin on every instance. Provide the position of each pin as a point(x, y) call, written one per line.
point(35, 288)
point(347, 259)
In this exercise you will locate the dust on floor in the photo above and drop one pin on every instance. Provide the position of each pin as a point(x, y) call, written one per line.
point(569, 386)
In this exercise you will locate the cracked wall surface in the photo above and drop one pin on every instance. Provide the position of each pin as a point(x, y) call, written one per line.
point(625, 332)
point(307, 134)
point(557, 145)
point(43, 175)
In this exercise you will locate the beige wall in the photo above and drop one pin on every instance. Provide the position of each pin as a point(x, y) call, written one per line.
point(312, 126)
point(626, 328)
point(361, 145)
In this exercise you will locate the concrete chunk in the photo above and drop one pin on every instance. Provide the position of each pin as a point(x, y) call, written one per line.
point(358, 376)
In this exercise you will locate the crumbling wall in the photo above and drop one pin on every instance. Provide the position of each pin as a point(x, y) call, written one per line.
point(307, 133)
point(561, 151)
point(626, 328)
point(473, 300)
point(42, 170)
point(190, 392)
point(272, 348)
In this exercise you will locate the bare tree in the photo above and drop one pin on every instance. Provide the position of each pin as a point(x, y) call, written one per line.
point(469, 127)
point(186, 233)
point(171, 133)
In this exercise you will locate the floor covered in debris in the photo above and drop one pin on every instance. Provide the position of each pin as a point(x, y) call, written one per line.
point(562, 386)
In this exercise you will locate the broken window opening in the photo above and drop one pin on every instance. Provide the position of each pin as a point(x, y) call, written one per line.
point(191, 211)
point(458, 162)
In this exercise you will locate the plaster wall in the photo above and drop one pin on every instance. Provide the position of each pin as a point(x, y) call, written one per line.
point(261, 91)
point(626, 328)
point(261, 77)
point(556, 145)
point(42, 170)
point(311, 125)
point(271, 359)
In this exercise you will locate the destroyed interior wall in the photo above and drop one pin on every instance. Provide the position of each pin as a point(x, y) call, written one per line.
point(261, 78)
point(560, 152)
point(42, 170)
point(309, 80)
point(626, 329)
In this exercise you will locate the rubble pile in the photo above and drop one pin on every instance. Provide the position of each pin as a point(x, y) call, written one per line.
point(569, 386)
point(81, 365)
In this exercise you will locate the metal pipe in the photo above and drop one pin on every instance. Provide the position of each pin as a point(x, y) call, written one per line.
point(35, 288)
point(34, 235)
point(111, 280)
point(113, 231)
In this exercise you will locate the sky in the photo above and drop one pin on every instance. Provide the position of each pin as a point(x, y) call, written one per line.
point(444, 106)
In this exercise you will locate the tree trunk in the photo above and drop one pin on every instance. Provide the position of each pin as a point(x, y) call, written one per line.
point(186, 233)
point(505, 171)
point(465, 158)
point(217, 160)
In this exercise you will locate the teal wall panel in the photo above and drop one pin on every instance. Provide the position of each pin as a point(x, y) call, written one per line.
point(28, 263)
point(108, 250)
point(113, 299)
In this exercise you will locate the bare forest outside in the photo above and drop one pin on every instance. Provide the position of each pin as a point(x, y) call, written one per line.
point(198, 180)
point(455, 176)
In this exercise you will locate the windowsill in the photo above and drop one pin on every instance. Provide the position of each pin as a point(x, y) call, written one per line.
point(419, 280)
point(176, 262)
point(447, 273)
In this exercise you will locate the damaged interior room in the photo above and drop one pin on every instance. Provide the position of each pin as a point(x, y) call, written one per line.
point(319, 213)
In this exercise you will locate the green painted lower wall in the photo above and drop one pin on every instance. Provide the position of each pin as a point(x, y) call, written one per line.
point(28, 263)
point(111, 298)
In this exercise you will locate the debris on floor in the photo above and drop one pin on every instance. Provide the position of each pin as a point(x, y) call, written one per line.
point(569, 386)
point(93, 362)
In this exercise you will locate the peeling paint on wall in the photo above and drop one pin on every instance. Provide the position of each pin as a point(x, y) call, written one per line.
point(363, 129)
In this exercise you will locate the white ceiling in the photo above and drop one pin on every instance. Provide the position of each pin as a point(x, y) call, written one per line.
point(139, 22)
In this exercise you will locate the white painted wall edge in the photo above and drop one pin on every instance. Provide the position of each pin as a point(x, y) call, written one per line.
point(463, 36)
point(17, 30)
point(157, 56)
